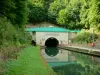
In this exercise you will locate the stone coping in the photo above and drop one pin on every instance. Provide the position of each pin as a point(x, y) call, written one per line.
point(88, 51)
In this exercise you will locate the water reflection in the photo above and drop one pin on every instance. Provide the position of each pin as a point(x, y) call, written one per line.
point(51, 51)
point(72, 63)
point(56, 58)
point(85, 65)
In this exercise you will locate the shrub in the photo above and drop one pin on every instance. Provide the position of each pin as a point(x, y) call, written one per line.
point(84, 37)
point(7, 31)
point(11, 38)
point(9, 35)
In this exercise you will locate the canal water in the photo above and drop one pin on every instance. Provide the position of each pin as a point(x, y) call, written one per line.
point(65, 62)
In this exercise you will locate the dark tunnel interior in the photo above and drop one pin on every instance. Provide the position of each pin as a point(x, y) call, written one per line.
point(51, 42)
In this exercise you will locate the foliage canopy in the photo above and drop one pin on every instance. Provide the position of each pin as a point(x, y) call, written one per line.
point(72, 14)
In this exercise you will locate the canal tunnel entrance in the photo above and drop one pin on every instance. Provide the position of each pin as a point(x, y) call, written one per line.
point(51, 42)
point(51, 48)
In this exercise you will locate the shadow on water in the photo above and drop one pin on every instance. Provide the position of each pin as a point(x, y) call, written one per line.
point(71, 63)
point(51, 51)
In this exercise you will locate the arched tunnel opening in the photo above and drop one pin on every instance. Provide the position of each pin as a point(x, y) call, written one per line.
point(52, 42)
point(51, 48)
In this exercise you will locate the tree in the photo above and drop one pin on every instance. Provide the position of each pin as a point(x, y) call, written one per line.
point(89, 14)
point(37, 14)
point(84, 13)
point(94, 14)
point(73, 14)
point(54, 9)
point(15, 11)
point(70, 15)
point(37, 11)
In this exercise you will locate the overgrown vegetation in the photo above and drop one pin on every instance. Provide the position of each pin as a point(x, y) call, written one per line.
point(13, 16)
point(84, 37)
point(11, 38)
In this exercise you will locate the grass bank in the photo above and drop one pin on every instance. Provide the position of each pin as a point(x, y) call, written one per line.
point(29, 62)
